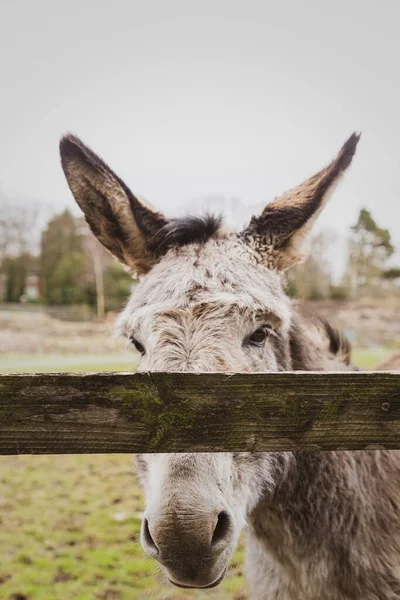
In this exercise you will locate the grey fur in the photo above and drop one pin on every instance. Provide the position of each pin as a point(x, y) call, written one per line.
point(322, 526)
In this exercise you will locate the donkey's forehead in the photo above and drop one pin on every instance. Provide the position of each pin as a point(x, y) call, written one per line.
point(221, 272)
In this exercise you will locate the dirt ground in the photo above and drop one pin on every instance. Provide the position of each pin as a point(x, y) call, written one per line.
point(38, 333)
point(366, 323)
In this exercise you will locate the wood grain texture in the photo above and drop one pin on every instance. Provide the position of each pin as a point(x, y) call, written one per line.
point(182, 412)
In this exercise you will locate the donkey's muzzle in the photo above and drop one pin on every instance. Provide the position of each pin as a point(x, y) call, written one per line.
point(193, 549)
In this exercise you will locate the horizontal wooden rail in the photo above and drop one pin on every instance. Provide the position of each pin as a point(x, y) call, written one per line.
point(182, 412)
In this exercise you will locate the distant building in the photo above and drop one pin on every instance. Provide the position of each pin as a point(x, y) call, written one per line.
point(32, 287)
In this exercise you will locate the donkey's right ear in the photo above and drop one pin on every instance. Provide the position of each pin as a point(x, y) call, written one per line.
point(121, 222)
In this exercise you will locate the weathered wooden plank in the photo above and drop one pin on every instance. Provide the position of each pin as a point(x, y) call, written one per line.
point(182, 412)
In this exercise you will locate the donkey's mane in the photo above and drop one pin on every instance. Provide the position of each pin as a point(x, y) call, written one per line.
point(184, 231)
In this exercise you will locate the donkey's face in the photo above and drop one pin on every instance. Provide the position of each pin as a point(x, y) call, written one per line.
point(205, 307)
point(208, 301)
point(208, 307)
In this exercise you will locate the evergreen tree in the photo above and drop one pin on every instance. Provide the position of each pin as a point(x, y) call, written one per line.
point(369, 249)
point(118, 284)
point(62, 261)
point(69, 258)
point(16, 268)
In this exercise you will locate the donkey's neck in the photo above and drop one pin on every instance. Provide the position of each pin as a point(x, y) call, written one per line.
point(293, 515)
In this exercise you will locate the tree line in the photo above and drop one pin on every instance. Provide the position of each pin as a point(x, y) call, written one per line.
point(71, 267)
point(367, 270)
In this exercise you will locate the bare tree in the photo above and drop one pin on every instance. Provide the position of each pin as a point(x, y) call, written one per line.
point(313, 278)
point(370, 248)
point(18, 228)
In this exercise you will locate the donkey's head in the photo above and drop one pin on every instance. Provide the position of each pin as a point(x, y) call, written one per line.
point(208, 300)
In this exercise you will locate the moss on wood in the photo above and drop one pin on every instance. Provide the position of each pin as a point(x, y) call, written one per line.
point(178, 412)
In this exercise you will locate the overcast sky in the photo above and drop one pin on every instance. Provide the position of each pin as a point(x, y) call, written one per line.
point(190, 99)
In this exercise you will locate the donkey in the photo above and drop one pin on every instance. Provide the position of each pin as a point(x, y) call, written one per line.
point(320, 526)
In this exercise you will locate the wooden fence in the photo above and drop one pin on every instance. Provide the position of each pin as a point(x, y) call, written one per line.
point(182, 412)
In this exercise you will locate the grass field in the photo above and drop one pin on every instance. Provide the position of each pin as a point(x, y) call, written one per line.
point(69, 525)
point(369, 358)
point(69, 530)
point(61, 363)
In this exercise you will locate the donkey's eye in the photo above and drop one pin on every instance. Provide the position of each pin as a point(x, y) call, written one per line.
point(138, 346)
point(260, 335)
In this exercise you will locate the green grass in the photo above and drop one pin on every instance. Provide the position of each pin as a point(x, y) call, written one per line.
point(69, 529)
point(61, 363)
point(69, 525)
point(369, 358)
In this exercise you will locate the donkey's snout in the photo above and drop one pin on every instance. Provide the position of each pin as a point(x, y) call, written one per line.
point(211, 533)
point(193, 549)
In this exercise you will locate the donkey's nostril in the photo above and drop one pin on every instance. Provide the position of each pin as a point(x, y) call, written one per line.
point(222, 528)
point(149, 543)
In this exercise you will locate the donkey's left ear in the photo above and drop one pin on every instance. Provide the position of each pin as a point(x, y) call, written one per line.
point(278, 234)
